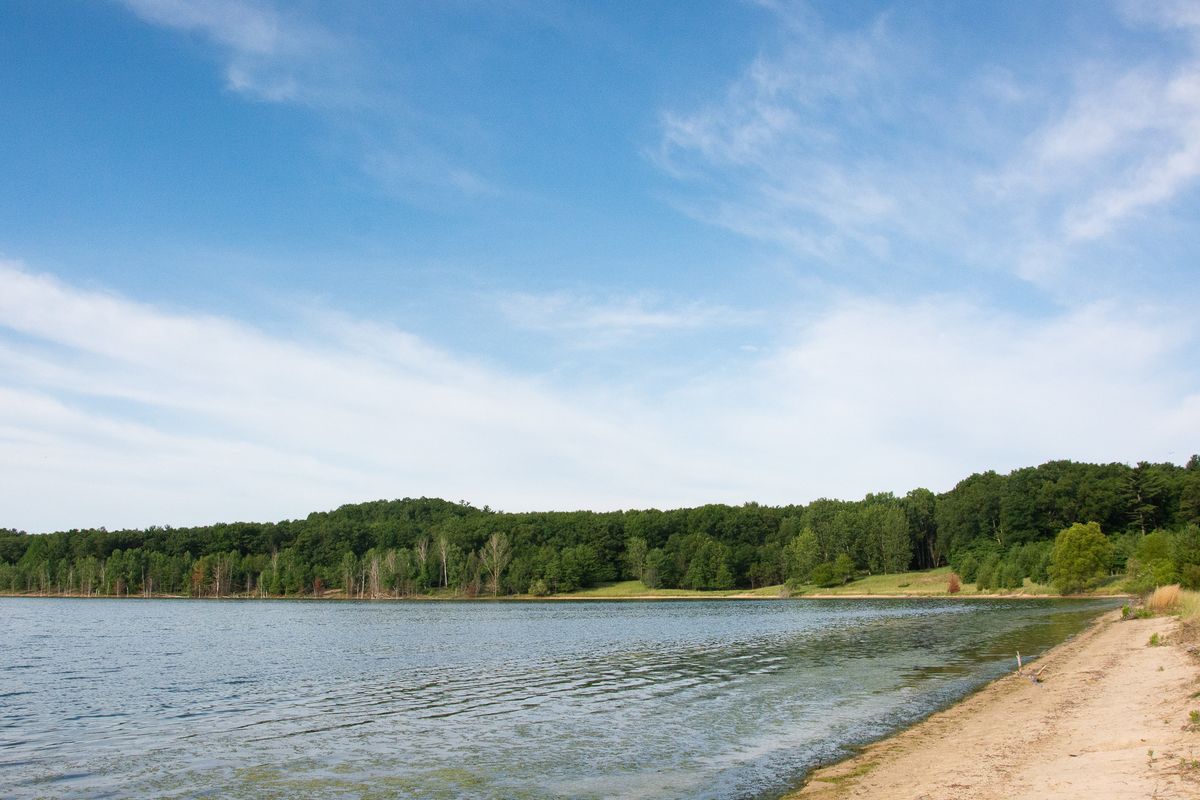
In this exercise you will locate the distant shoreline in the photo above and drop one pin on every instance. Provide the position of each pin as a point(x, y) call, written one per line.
point(431, 598)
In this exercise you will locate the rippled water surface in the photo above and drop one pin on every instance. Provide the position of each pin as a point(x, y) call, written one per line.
point(693, 699)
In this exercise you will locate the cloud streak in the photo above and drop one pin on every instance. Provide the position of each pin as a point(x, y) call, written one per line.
point(834, 146)
point(268, 55)
point(590, 322)
point(115, 412)
point(272, 56)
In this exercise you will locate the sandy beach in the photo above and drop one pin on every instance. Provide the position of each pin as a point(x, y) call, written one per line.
point(1109, 719)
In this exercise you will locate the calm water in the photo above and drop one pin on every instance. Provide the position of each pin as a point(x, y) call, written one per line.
point(160, 698)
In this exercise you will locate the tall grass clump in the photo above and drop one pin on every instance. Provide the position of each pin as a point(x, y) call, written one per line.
point(1164, 599)
point(1189, 606)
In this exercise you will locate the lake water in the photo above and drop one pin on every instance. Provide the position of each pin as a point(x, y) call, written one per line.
point(689, 699)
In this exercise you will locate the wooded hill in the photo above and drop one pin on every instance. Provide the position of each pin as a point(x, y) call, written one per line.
point(994, 529)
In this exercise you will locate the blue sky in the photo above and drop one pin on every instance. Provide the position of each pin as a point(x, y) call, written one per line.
point(261, 258)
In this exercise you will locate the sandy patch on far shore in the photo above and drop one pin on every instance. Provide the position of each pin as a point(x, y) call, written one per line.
point(1109, 721)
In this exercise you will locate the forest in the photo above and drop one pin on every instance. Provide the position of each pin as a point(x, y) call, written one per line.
point(994, 529)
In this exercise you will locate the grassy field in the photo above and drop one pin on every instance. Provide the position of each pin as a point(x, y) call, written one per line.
point(927, 583)
point(639, 589)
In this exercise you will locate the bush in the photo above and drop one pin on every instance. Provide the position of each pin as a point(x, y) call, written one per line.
point(987, 577)
point(954, 584)
point(968, 568)
point(1189, 576)
point(843, 568)
point(1080, 557)
point(1145, 575)
point(822, 575)
point(1011, 576)
point(539, 588)
point(1034, 559)
point(833, 573)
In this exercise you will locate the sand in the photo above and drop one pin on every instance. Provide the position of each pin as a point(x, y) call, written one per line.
point(1110, 720)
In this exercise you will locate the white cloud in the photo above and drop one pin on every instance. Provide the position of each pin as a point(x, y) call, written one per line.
point(1125, 144)
point(358, 411)
point(288, 56)
point(268, 54)
point(115, 412)
point(593, 322)
point(835, 147)
point(778, 156)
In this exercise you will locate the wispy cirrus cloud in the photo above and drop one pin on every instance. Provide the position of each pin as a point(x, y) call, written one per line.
point(1127, 142)
point(778, 156)
point(589, 321)
point(267, 54)
point(115, 412)
point(835, 146)
point(278, 54)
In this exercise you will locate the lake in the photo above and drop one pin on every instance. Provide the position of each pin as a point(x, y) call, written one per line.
point(683, 699)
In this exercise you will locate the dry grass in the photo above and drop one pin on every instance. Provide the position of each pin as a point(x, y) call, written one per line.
point(1164, 599)
point(1189, 606)
point(1189, 620)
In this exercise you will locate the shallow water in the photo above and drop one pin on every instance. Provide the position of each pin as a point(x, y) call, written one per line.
point(688, 699)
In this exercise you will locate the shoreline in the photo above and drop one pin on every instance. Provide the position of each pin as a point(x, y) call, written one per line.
point(428, 598)
point(1109, 718)
point(922, 584)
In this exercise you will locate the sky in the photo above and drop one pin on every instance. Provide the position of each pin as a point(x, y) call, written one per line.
point(262, 258)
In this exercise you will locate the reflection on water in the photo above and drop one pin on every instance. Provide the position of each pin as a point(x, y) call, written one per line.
point(690, 699)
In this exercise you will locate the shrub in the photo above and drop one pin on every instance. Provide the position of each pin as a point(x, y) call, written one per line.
point(987, 577)
point(1080, 557)
point(843, 568)
point(1145, 575)
point(833, 573)
point(822, 575)
point(1189, 576)
point(539, 588)
point(1011, 576)
point(954, 584)
point(968, 568)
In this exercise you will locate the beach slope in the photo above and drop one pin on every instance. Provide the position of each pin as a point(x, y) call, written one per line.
point(1109, 719)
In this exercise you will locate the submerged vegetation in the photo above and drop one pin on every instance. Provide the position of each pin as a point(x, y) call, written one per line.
point(1068, 525)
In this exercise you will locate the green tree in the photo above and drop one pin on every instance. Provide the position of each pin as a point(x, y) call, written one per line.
point(895, 546)
point(1080, 557)
point(803, 555)
point(635, 557)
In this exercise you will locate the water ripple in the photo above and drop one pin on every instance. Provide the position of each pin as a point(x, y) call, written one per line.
point(671, 700)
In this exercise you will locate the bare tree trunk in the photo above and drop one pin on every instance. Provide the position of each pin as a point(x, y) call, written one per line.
point(373, 577)
point(495, 558)
point(443, 545)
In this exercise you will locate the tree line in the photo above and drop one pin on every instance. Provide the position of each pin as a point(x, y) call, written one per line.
point(994, 529)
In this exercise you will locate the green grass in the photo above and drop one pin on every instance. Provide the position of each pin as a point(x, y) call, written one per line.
point(926, 583)
point(639, 589)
